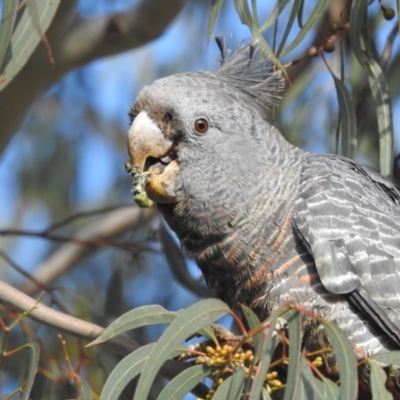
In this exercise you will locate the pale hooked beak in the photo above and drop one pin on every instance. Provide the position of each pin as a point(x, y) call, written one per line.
point(152, 165)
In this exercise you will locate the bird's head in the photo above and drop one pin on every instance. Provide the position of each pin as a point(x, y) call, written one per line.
point(197, 137)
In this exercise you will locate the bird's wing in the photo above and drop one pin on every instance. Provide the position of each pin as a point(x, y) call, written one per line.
point(348, 217)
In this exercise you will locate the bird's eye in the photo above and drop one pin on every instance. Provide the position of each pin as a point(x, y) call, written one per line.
point(201, 125)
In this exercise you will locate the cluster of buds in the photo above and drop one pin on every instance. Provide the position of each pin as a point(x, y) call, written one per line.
point(227, 357)
point(272, 383)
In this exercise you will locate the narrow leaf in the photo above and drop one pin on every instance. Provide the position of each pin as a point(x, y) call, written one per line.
point(189, 321)
point(383, 106)
point(295, 10)
point(389, 358)
point(25, 39)
point(377, 83)
point(32, 7)
point(231, 388)
point(274, 14)
point(6, 26)
point(253, 322)
point(85, 391)
point(124, 372)
point(267, 51)
point(378, 379)
point(237, 383)
point(312, 388)
point(246, 18)
point(242, 8)
point(265, 395)
point(358, 18)
point(184, 382)
point(294, 332)
point(214, 12)
point(32, 368)
point(346, 360)
point(347, 118)
point(140, 316)
point(266, 350)
point(222, 392)
point(300, 14)
point(318, 10)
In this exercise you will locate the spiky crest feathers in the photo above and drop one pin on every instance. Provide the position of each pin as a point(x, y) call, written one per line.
point(247, 72)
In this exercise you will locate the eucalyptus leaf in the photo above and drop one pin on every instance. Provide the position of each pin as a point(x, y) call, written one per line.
point(124, 372)
point(315, 15)
point(346, 360)
point(6, 26)
point(378, 379)
point(136, 318)
point(183, 383)
point(26, 38)
point(189, 321)
point(32, 367)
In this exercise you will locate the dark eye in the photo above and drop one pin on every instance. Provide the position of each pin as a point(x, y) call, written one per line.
point(201, 125)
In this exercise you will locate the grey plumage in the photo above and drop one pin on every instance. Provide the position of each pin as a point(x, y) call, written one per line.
point(267, 222)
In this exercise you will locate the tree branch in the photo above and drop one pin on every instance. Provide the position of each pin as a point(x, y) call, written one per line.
point(42, 314)
point(75, 41)
point(69, 254)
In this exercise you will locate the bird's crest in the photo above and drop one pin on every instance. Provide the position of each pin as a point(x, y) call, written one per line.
point(245, 70)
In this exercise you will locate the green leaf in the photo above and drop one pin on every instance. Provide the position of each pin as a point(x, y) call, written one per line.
point(318, 9)
point(237, 383)
point(389, 358)
point(311, 387)
point(32, 368)
point(346, 360)
point(184, 382)
point(377, 83)
point(242, 8)
point(232, 386)
point(25, 39)
point(253, 322)
point(6, 26)
point(140, 316)
point(208, 332)
point(214, 12)
point(383, 105)
point(300, 14)
point(86, 393)
point(265, 395)
point(378, 379)
point(358, 18)
point(295, 10)
point(189, 321)
point(33, 10)
point(274, 14)
point(266, 349)
point(124, 372)
point(347, 117)
point(294, 332)
point(246, 18)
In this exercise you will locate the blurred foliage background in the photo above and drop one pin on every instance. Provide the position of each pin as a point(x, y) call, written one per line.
point(64, 162)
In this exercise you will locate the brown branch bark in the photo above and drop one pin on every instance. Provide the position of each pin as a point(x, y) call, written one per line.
point(75, 41)
point(60, 322)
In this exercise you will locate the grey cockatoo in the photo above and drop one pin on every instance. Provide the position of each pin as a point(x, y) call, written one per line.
point(267, 222)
